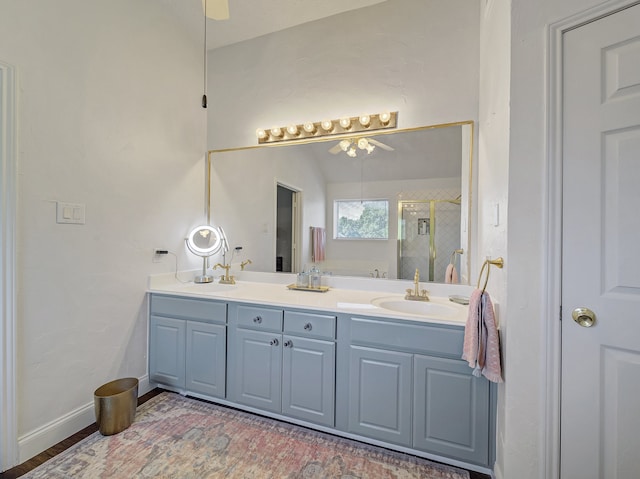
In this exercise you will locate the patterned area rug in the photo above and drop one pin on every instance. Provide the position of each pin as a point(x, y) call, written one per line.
point(178, 437)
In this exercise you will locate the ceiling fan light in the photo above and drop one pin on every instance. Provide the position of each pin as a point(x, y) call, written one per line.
point(345, 144)
point(365, 120)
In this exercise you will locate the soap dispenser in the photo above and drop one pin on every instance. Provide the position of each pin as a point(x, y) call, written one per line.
point(302, 280)
point(314, 278)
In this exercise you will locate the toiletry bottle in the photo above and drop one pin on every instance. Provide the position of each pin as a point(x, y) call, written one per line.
point(314, 278)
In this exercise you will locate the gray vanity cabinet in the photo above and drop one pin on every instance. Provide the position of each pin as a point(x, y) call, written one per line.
point(187, 344)
point(206, 355)
point(258, 363)
point(451, 409)
point(406, 385)
point(166, 351)
point(380, 394)
point(308, 367)
point(283, 361)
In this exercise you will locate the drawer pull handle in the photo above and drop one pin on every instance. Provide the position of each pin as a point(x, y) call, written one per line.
point(288, 343)
point(308, 327)
point(257, 319)
point(274, 342)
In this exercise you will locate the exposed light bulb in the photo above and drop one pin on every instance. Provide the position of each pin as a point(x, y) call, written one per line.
point(352, 152)
point(363, 143)
point(327, 125)
point(365, 120)
point(309, 127)
point(345, 123)
point(261, 134)
point(384, 117)
point(276, 131)
point(292, 130)
point(345, 144)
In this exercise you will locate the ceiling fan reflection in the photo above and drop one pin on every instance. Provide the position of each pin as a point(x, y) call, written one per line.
point(351, 146)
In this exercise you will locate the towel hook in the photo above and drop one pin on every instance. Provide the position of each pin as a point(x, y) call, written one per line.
point(499, 262)
point(455, 252)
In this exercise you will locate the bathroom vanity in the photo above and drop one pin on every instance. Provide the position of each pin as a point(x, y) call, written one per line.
point(332, 361)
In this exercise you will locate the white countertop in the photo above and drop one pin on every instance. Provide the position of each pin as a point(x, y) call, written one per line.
point(346, 295)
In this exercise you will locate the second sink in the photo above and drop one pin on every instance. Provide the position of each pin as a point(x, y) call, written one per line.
point(421, 308)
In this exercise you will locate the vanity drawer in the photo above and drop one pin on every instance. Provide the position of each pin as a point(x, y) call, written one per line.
point(416, 338)
point(187, 308)
point(308, 324)
point(256, 317)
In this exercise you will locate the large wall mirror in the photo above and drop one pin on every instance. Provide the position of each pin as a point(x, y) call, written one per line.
point(401, 205)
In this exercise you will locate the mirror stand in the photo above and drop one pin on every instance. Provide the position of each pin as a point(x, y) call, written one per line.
point(205, 241)
point(204, 277)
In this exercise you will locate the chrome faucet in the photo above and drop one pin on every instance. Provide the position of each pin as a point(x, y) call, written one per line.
point(225, 278)
point(416, 294)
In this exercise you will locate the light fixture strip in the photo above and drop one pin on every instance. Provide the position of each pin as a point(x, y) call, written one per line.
point(341, 126)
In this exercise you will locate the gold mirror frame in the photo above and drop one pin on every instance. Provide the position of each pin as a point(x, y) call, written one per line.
point(470, 203)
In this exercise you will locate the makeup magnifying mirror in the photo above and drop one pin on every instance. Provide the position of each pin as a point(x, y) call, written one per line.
point(204, 241)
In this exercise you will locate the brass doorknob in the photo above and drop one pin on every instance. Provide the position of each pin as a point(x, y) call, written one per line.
point(584, 317)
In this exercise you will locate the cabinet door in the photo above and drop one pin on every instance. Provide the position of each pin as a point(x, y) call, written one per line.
point(206, 358)
point(258, 369)
point(380, 394)
point(166, 351)
point(308, 379)
point(451, 409)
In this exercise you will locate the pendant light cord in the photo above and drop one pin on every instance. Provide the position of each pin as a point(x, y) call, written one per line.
point(204, 62)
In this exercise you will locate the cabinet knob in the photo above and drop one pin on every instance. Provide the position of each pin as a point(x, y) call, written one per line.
point(257, 319)
point(288, 343)
point(274, 342)
point(308, 327)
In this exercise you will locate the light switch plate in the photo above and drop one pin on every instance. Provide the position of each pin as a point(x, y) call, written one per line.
point(70, 213)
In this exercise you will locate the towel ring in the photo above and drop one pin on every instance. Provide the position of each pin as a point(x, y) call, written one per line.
point(499, 262)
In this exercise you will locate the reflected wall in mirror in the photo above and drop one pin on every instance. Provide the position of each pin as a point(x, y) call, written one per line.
point(273, 201)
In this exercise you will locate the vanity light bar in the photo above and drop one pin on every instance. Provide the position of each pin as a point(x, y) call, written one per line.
point(354, 124)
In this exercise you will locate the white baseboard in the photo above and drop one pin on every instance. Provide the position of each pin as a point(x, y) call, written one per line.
point(42, 438)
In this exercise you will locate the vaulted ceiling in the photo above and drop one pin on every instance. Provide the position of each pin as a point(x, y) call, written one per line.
point(254, 18)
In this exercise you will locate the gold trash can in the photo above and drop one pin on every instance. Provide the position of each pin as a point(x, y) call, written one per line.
point(115, 405)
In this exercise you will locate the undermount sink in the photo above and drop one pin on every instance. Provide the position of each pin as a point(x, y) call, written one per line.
point(209, 287)
point(423, 308)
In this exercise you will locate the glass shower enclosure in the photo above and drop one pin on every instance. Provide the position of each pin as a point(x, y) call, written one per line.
point(428, 235)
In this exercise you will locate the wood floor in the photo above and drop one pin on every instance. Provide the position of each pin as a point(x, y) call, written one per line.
point(87, 431)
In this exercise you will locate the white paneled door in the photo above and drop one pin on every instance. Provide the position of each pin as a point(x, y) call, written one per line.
point(600, 415)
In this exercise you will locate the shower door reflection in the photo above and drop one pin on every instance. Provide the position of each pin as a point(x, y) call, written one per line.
point(429, 232)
